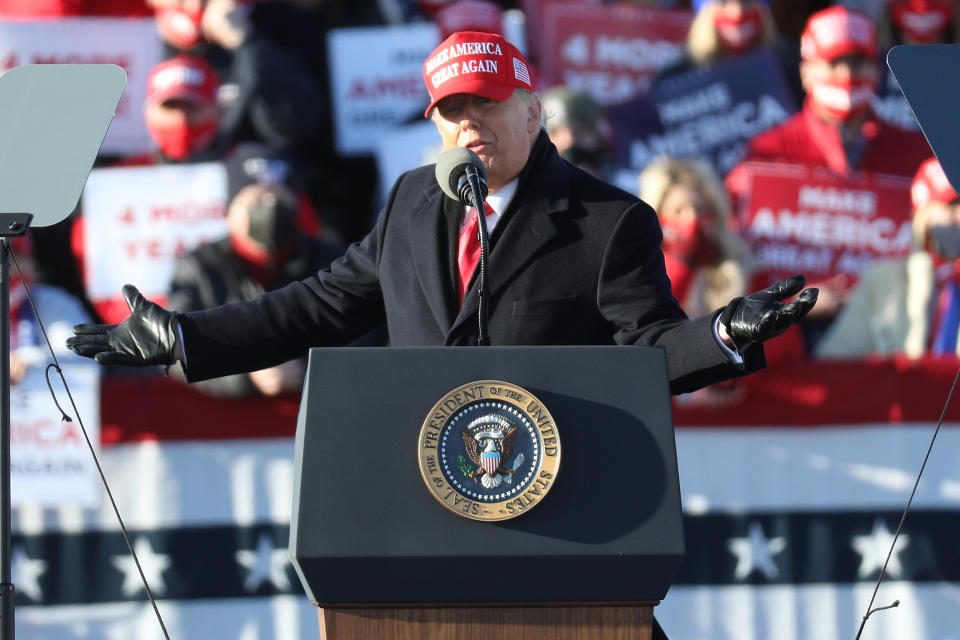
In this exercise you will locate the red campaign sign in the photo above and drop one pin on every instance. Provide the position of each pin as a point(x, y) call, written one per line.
point(812, 221)
point(609, 51)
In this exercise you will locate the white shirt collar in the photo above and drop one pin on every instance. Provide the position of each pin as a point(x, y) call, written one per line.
point(499, 202)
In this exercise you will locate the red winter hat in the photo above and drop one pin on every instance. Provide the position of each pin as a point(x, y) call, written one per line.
point(483, 64)
point(836, 32)
point(931, 185)
point(183, 76)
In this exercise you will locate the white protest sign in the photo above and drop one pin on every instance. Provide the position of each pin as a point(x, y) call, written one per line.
point(403, 149)
point(376, 81)
point(138, 220)
point(126, 42)
point(50, 463)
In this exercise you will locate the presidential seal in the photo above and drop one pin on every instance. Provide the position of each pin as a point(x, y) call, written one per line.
point(489, 450)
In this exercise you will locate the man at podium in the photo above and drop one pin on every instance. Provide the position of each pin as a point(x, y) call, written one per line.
point(573, 260)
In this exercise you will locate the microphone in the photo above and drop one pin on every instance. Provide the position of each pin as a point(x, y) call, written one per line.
point(458, 171)
point(462, 176)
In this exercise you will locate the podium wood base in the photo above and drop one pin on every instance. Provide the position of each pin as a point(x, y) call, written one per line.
point(632, 622)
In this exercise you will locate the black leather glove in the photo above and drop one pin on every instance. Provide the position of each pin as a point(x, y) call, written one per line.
point(146, 337)
point(761, 316)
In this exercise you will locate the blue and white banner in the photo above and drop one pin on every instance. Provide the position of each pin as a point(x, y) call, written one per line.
point(786, 530)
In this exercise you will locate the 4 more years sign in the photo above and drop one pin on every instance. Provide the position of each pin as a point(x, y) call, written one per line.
point(810, 220)
point(609, 51)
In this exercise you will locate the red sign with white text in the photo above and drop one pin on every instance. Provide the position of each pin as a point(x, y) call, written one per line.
point(609, 51)
point(809, 220)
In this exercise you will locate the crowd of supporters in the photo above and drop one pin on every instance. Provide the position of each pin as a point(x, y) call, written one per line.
point(247, 83)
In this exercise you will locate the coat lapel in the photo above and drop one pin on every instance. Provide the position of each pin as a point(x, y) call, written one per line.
point(432, 227)
point(527, 226)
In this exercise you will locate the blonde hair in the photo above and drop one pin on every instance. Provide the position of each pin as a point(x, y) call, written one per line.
point(730, 277)
point(666, 171)
point(703, 43)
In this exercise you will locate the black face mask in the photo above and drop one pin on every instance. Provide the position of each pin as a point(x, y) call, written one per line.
point(273, 223)
point(945, 241)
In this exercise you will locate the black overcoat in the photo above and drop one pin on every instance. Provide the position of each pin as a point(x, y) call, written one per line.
point(573, 261)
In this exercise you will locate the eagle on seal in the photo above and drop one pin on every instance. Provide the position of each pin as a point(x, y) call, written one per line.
point(489, 442)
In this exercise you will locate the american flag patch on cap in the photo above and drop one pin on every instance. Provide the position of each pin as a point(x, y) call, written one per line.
point(520, 71)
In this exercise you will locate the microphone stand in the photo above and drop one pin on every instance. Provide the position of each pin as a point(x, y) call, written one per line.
point(11, 226)
point(478, 192)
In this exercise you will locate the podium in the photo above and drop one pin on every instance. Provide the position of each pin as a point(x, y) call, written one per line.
point(382, 556)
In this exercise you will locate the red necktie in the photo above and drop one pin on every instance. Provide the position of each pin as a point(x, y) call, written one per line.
point(468, 254)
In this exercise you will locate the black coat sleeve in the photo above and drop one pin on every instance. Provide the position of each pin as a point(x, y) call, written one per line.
point(334, 307)
point(634, 295)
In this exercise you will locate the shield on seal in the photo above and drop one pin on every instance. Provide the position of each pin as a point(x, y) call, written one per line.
point(490, 460)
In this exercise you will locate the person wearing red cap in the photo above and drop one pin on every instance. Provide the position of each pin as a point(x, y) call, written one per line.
point(574, 260)
point(181, 109)
point(909, 306)
point(182, 118)
point(836, 128)
point(268, 94)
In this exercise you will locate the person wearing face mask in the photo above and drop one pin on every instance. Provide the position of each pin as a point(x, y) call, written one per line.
point(264, 250)
point(724, 29)
point(836, 129)
point(922, 21)
point(268, 94)
point(909, 306)
point(705, 261)
point(181, 110)
point(182, 117)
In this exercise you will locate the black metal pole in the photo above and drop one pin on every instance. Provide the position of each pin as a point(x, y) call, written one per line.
point(6, 581)
point(479, 192)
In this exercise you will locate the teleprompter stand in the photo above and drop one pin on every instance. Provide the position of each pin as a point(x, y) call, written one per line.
point(53, 119)
point(382, 558)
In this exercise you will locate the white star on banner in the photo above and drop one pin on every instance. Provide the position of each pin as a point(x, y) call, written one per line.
point(267, 563)
point(874, 547)
point(26, 573)
point(153, 564)
point(755, 552)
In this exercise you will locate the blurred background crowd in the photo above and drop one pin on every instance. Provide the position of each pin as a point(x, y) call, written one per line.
point(257, 139)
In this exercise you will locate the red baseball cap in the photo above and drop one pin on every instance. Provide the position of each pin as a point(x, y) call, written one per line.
point(837, 32)
point(930, 184)
point(474, 62)
point(183, 76)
